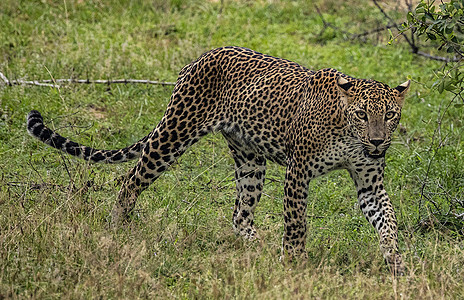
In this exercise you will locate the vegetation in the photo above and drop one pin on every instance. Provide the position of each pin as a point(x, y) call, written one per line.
point(55, 240)
point(442, 26)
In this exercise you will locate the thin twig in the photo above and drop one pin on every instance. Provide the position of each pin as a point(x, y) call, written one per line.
point(458, 216)
point(383, 12)
point(363, 34)
point(34, 186)
point(67, 170)
point(327, 24)
point(412, 43)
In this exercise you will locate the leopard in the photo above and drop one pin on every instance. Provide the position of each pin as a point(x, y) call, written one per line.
point(267, 109)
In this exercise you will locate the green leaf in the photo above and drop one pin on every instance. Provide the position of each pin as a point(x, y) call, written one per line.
point(431, 36)
point(441, 87)
point(429, 16)
point(451, 23)
point(410, 17)
point(450, 87)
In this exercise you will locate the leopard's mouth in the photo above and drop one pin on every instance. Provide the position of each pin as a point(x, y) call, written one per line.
point(375, 154)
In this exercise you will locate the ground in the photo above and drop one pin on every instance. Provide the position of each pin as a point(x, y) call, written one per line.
point(54, 231)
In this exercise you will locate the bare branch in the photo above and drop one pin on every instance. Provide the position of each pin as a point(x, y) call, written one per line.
point(53, 83)
point(99, 81)
point(439, 58)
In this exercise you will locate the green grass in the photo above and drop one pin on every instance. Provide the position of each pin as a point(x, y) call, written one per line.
point(55, 240)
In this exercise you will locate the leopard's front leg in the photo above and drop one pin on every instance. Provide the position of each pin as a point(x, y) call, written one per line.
point(377, 207)
point(295, 202)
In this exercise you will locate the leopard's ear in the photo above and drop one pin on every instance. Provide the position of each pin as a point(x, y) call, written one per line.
point(344, 87)
point(402, 90)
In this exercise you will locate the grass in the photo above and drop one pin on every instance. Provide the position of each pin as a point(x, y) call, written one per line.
point(55, 241)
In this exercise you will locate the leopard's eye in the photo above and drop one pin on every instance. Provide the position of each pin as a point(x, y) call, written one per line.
point(389, 115)
point(361, 114)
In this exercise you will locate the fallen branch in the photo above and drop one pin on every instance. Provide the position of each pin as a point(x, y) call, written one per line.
point(54, 82)
point(99, 81)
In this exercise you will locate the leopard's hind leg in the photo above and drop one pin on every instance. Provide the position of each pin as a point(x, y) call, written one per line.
point(195, 109)
point(250, 169)
point(169, 140)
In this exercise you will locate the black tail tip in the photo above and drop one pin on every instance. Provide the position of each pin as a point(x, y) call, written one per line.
point(34, 114)
point(34, 119)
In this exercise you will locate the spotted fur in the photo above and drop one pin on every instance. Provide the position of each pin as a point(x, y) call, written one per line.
point(273, 109)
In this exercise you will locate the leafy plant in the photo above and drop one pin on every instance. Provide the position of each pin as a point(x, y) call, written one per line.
point(444, 25)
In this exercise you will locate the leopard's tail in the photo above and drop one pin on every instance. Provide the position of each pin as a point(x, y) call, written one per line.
point(37, 129)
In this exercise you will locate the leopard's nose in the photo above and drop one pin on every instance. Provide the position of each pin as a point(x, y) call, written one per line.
point(376, 142)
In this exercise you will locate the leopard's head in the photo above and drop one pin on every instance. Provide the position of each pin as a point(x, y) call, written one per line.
point(373, 111)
